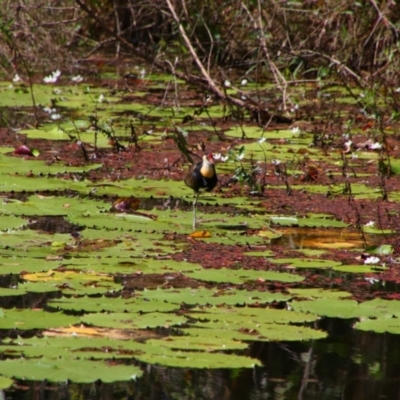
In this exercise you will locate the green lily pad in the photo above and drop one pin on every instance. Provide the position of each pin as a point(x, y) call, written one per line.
point(34, 319)
point(133, 320)
point(306, 263)
point(242, 275)
point(110, 304)
point(187, 359)
point(64, 369)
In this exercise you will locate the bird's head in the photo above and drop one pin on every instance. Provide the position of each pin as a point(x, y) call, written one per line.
point(209, 157)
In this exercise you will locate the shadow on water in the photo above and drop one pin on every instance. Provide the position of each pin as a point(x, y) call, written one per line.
point(347, 365)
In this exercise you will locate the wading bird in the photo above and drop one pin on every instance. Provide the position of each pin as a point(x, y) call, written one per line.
point(201, 176)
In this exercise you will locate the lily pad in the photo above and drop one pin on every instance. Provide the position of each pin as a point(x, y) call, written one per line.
point(61, 370)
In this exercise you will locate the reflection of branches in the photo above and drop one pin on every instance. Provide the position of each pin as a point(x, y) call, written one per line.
point(306, 373)
point(307, 360)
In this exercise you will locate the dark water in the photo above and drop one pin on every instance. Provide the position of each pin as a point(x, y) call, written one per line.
point(351, 365)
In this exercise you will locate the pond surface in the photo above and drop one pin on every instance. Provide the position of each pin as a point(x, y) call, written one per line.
point(287, 289)
point(348, 365)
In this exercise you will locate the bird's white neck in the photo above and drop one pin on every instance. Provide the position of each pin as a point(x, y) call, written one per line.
point(207, 168)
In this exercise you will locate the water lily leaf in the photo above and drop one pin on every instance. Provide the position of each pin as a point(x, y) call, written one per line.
point(345, 308)
point(242, 275)
point(395, 166)
point(18, 291)
point(253, 331)
point(377, 231)
point(315, 222)
point(258, 315)
point(5, 382)
point(71, 346)
point(56, 206)
point(133, 320)
point(61, 370)
point(16, 265)
point(9, 165)
point(187, 359)
point(202, 296)
point(189, 343)
point(380, 325)
point(11, 222)
point(71, 282)
point(383, 249)
point(359, 269)
point(316, 293)
point(306, 262)
point(100, 304)
point(34, 319)
point(264, 253)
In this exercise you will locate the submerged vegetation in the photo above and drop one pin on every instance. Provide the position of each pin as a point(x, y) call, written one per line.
point(101, 271)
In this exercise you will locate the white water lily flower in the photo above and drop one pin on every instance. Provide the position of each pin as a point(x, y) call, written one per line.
point(77, 78)
point(53, 77)
point(224, 158)
point(101, 98)
point(16, 78)
point(227, 83)
point(217, 156)
point(261, 140)
point(55, 116)
point(370, 223)
point(371, 280)
point(244, 82)
point(49, 110)
point(348, 143)
point(295, 130)
point(372, 260)
point(375, 146)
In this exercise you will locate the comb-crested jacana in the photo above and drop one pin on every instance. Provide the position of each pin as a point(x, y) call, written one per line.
point(201, 176)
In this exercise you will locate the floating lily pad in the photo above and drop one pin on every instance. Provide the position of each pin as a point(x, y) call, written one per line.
point(306, 262)
point(34, 319)
point(61, 370)
point(253, 331)
point(11, 222)
point(359, 269)
point(5, 382)
point(255, 314)
point(133, 321)
point(187, 359)
point(110, 304)
point(380, 325)
point(190, 343)
point(22, 166)
point(345, 308)
point(313, 222)
point(242, 275)
point(202, 296)
point(318, 293)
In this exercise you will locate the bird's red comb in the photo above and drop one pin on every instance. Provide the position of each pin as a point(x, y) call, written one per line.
point(210, 157)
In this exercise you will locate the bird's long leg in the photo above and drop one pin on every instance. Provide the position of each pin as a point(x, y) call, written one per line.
point(194, 210)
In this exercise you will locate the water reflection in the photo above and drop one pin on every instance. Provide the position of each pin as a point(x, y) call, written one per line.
point(347, 365)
